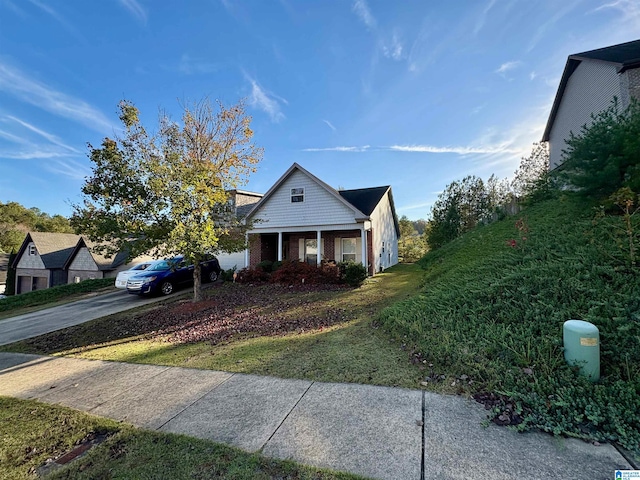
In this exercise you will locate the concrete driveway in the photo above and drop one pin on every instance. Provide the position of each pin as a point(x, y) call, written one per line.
point(44, 321)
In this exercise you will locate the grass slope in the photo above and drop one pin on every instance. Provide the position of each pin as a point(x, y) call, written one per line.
point(33, 432)
point(491, 312)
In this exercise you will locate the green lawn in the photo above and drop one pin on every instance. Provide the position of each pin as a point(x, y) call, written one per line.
point(317, 335)
point(33, 432)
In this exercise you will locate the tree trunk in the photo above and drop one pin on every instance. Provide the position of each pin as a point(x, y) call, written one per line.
point(197, 283)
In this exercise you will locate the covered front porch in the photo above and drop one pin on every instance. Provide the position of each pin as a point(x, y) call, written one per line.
point(312, 246)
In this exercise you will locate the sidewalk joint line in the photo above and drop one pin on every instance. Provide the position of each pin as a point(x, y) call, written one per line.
point(424, 421)
point(232, 374)
point(285, 417)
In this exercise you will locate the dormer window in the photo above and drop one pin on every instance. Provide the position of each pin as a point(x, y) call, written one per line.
point(297, 195)
point(32, 250)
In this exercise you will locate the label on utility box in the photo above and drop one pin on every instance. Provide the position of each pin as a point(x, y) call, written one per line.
point(588, 342)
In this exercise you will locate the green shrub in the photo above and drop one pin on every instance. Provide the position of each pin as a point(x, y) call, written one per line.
point(493, 305)
point(266, 266)
point(227, 275)
point(353, 274)
point(53, 294)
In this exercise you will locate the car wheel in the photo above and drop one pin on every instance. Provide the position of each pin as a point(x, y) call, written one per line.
point(213, 276)
point(166, 288)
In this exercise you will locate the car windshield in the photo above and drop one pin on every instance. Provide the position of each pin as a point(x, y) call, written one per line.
point(142, 266)
point(163, 265)
point(160, 266)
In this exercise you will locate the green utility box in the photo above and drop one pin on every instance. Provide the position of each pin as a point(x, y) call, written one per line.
point(582, 347)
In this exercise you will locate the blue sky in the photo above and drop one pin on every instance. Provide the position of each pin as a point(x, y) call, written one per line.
point(361, 93)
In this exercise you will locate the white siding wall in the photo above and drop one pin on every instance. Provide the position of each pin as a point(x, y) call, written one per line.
point(590, 89)
point(319, 206)
point(230, 260)
point(30, 261)
point(384, 230)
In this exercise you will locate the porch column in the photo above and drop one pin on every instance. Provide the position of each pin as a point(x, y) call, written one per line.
point(363, 235)
point(246, 251)
point(279, 246)
point(319, 238)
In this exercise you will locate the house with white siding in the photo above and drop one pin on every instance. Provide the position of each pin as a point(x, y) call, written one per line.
point(590, 82)
point(302, 218)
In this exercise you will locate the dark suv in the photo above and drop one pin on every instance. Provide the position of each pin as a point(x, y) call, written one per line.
point(164, 276)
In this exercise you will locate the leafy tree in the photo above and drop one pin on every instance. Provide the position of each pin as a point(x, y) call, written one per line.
point(167, 193)
point(411, 245)
point(16, 220)
point(459, 208)
point(419, 225)
point(605, 155)
point(530, 170)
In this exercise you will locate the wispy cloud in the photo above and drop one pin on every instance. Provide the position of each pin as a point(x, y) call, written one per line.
point(59, 18)
point(69, 168)
point(508, 66)
point(482, 18)
point(542, 31)
point(460, 150)
point(18, 84)
point(364, 148)
point(192, 66)
point(266, 101)
point(35, 152)
point(394, 49)
point(135, 9)
point(46, 135)
point(12, 6)
point(630, 8)
point(361, 9)
point(330, 125)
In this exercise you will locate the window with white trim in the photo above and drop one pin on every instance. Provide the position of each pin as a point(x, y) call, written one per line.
point(311, 251)
point(349, 249)
point(297, 195)
point(32, 250)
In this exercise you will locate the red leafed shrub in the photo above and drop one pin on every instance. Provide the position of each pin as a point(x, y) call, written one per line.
point(252, 275)
point(292, 273)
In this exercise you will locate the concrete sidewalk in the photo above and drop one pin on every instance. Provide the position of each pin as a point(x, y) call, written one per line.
point(378, 432)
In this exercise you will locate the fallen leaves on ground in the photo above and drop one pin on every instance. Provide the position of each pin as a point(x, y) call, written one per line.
point(265, 310)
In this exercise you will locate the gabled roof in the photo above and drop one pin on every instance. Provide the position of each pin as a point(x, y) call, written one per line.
point(54, 248)
point(367, 199)
point(359, 215)
point(625, 55)
point(102, 261)
point(364, 199)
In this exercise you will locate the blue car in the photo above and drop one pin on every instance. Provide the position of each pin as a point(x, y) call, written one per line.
point(164, 276)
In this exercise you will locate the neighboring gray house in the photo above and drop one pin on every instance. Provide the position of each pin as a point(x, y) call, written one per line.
point(85, 264)
point(49, 259)
point(243, 202)
point(41, 258)
point(4, 267)
point(589, 83)
point(303, 218)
